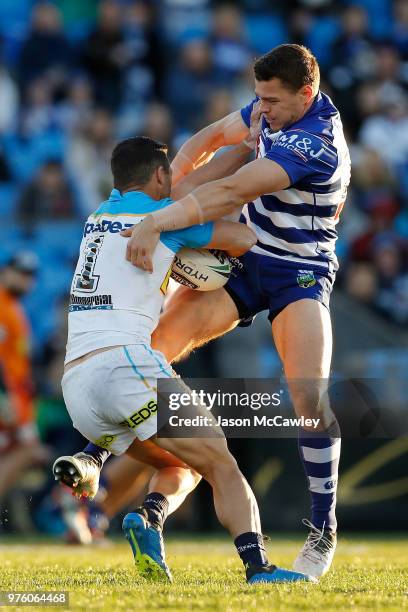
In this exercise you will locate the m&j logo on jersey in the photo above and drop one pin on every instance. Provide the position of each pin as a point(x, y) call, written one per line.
point(314, 146)
point(306, 278)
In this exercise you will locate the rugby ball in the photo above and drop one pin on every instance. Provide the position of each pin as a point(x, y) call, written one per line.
point(201, 269)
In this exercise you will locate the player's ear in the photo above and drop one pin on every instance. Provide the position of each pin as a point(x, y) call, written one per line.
point(161, 175)
point(307, 92)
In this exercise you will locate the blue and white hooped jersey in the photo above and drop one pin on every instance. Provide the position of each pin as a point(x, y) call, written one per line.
point(112, 302)
point(299, 223)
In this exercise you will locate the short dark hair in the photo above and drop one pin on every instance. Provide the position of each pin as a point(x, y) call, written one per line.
point(294, 65)
point(135, 159)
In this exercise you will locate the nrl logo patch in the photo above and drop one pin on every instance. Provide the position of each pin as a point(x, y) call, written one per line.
point(306, 278)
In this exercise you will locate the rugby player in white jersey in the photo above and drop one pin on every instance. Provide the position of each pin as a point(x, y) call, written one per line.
point(111, 370)
point(293, 194)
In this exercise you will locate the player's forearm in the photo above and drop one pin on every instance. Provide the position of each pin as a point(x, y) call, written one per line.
point(218, 168)
point(195, 152)
point(199, 148)
point(206, 203)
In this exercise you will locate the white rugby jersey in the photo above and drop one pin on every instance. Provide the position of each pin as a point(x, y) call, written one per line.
point(112, 302)
point(299, 223)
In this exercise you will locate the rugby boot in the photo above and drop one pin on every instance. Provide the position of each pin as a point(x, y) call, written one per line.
point(317, 554)
point(278, 575)
point(147, 546)
point(80, 472)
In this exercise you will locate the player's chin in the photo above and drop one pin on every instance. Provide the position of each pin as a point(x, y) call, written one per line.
point(274, 125)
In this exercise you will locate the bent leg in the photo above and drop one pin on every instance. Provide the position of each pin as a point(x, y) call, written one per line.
point(191, 319)
point(235, 503)
point(126, 479)
point(173, 479)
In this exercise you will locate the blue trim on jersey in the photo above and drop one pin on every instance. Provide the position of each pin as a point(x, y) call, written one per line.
point(139, 203)
point(157, 360)
point(289, 234)
point(273, 204)
point(132, 363)
point(132, 202)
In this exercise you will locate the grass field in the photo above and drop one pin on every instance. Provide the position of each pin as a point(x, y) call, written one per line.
point(369, 573)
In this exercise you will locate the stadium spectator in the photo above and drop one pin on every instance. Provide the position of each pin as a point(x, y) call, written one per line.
point(47, 197)
point(392, 295)
point(243, 87)
point(181, 18)
point(189, 83)
point(353, 49)
point(230, 50)
point(399, 34)
point(387, 132)
point(88, 157)
point(9, 100)
point(37, 116)
point(46, 50)
point(158, 124)
point(144, 48)
point(374, 185)
point(219, 104)
point(76, 109)
point(19, 444)
point(105, 55)
point(353, 58)
point(361, 282)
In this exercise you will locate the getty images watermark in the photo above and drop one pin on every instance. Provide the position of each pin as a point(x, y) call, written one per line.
point(221, 399)
point(263, 408)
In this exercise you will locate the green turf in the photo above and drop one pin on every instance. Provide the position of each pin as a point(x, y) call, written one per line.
point(369, 573)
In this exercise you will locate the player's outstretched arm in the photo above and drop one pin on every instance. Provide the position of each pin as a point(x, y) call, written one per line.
point(206, 203)
point(199, 148)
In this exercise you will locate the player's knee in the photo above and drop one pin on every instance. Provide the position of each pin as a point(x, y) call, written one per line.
point(310, 400)
point(216, 461)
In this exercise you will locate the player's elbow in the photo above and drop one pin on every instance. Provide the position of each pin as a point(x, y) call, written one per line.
point(244, 240)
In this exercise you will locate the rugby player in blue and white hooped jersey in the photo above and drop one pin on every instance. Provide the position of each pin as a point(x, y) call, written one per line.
point(293, 194)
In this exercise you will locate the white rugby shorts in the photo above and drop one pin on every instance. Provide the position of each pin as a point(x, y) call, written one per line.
point(111, 397)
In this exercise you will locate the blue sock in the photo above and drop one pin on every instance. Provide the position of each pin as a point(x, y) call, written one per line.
point(98, 453)
point(320, 454)
point(251, 549)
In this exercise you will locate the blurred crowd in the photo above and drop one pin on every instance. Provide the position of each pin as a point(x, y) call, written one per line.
point(78, 75)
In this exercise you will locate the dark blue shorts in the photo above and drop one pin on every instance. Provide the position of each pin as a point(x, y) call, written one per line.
point(269, 283)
